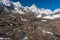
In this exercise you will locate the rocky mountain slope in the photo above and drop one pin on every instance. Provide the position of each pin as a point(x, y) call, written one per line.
point(28, 23)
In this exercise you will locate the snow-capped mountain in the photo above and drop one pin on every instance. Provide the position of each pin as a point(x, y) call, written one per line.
point(45, 11)
point(57, 10)
point(18, 7)
point(6, 2)
point(41, 12)
point(33, 8)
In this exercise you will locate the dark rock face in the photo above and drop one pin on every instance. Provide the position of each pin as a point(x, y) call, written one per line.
point(15, 28)
point(1, 7)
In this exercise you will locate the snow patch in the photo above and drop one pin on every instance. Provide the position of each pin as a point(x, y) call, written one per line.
point(38, 16)
point(48, 17)
point(47, 32)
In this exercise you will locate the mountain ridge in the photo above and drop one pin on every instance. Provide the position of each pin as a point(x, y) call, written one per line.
point(41, 12)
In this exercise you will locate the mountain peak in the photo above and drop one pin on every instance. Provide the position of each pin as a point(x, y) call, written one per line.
point(57, 10)
point(33, 8)
point(33, 5)
point(6, 2)
point(18, 4)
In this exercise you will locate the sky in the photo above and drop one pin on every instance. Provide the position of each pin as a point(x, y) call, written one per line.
point(47, 4)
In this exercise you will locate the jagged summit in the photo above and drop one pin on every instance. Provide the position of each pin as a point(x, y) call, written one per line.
point(6, 2)
point(17, 4)
point(33, 8)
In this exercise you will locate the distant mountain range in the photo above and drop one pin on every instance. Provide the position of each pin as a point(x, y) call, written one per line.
point(16, 7)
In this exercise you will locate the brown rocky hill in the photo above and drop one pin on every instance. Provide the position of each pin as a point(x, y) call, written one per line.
point(28, 27)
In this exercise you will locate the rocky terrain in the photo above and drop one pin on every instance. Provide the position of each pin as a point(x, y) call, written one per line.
point(28, 27)
point(28, 23)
